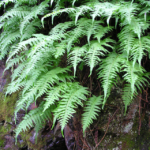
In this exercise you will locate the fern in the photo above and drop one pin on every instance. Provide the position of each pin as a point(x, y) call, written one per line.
point(83, 34)
point(91, 111)
point(19, 12)
point(108, 71)
point(74, 94)
point(35, 117)
point(96, 49)
point(75, 56)
point(37, 10)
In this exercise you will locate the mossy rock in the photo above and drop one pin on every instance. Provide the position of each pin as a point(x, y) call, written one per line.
point(7, 106)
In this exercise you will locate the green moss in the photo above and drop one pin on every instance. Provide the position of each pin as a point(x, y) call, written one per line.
point(2, 142)
point(25, 136)
point(3, 131)
point(7, 106)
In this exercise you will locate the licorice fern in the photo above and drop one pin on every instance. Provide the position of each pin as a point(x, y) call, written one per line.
point(108, 38)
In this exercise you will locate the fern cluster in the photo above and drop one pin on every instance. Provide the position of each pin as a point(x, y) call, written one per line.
point(86, 36)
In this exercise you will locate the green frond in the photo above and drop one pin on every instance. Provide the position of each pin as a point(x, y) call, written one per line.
point(75, 56)
point(19, 12)
point(77, 32)
point(91, 111)
point(127, 10)
point(139, 47)
point(126, 38)
point(61, 28)
point(22, 46)
point(108, 71)
point(96, 50)
point(35, 117)
point(80, 35)
point(53, 95)
point(48, 79)
point(103, 9)
point(74, 94)
point(101, 32)
point(31, 29)
point(139, 83)
point(132, 74)
point(127, 96)
point(7, 42)
point(37, 86)
point(35, 11)
point(60, 49)
point(80, 11)
point(56, 13)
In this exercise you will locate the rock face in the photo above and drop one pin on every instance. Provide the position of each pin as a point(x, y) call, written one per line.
point(112, 128)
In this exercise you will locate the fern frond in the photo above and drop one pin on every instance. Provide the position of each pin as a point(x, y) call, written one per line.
point(74, 94)
point(96, 50)
point(49, 79)
point(139, 47)
point(19, 12)
point(138, 80)
point(31, 29)
point(7, 42)
point(91, 111)
point(60, 48)
point(61, 28)
point(132, 73)
point(127, 11)
point(108, 71)
point(103, 9)
point(146, 2)
point(34, 117)
point(55, 13)
point(101, 32)
point(36, 10)
point(80, 11)
point(126, 38)
point(53, 95)
point(37, 89)
point(75, 56)
point(78, 32)
point(127, 96)
point(22, 46)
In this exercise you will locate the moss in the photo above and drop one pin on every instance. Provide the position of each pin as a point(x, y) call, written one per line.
point(25, 136)
point(3, 131)
point(2, 142)
point(7, 106)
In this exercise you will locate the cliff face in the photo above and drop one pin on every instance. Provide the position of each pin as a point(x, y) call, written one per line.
point(112, 130)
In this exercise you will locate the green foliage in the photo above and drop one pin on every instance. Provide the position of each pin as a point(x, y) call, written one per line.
point(91, 110)
point(108, 38)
